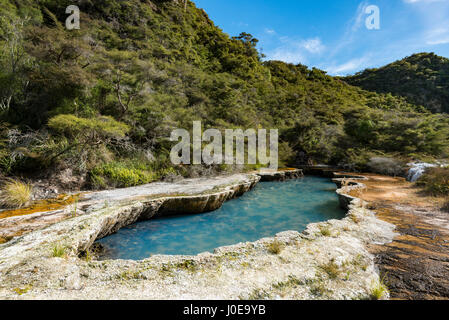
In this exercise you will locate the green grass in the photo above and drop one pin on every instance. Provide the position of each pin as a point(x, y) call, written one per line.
point(130, 275)
point(75, 207)
point(188, 265)
point(359, 262)
point(58, 251)
point(15, 194)
point(22, 291)
point(86, 255)
point(121, 174)
point(331, 269)
point(132, 95)
point(259, 294)
point(319, 289)
point(292, 282)
point(379, 290)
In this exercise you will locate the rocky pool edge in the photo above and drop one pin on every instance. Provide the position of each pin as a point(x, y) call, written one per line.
point(328, 260)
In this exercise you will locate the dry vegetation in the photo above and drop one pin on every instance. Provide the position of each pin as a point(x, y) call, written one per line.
point(436, 182)
point(15, 194)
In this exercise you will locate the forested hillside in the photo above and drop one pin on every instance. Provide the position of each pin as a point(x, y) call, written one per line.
point(422, 78)
point(101, 101)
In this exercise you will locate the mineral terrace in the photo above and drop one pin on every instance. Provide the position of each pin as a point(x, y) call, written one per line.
point(328, 260)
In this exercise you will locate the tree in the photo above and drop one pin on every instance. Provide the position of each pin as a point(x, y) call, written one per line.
point(56, 75)
point(86, 132)
point(13, 61)
point(127, 76)
point(248, 39)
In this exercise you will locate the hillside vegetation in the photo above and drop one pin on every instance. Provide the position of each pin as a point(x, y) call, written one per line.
point(422, 78)
point(101, 101)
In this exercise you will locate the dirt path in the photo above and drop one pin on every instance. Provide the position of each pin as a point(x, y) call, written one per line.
point(416, 264)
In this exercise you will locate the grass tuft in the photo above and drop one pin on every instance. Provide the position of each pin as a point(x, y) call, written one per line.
point(15, 194)
point(331, 269)
point(188, 265)
point(22, 291)
point(275, 247)
point(325, 231)
point(58, 251)
point(355, 218)
point(318, 289)
point(379, 290)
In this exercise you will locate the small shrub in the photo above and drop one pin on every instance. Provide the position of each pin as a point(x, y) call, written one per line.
point(188, 265)
point(75, 207)
point(275, 247)
point(72, 126)
point(259, 294)
point(386, 166)
point(15, 194)
point(292, 282)
point(85, 255)
point(325, 231)
point(355, 218)
point(355, 160)
point(22, 291)
point(331, 269)
point(118, 174)
point(379, 290)
point(58, 251)
point(130, 275)
point(435, 181)
point(318, 289)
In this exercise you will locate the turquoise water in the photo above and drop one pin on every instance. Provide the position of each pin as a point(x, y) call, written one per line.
point(272, 207)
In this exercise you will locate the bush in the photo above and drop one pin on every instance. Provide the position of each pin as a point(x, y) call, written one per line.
point(435, 181)
point(331, 269)
point(15, 194)
point(121, 175)
point(102, 105)
point(386, 166)
point(275, 247)
point(379, 290)
point(355, 160)
point(58, 251)
point(96, 128)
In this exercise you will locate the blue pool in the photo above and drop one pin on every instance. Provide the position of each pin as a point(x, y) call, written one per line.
point(272, 207)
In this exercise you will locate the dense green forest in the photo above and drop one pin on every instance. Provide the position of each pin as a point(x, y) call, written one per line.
point(102, 100)
point(422, 78)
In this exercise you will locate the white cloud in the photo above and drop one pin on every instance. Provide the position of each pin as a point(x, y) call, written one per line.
point(313, 45)
point(288, 56)
point(438, 36)
point(296, 51)
point(423, 1)
point(357, 21)
point(348, 67)
point(434, 15)
point(270, 31)
point(352, 28)
point(358, 49)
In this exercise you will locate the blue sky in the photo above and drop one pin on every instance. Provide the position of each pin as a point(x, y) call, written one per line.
point(332, 35)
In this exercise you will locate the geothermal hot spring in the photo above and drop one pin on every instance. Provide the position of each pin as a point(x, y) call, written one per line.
point(270, 208)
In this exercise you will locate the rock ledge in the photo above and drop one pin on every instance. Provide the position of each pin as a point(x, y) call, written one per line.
point(327, 261)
